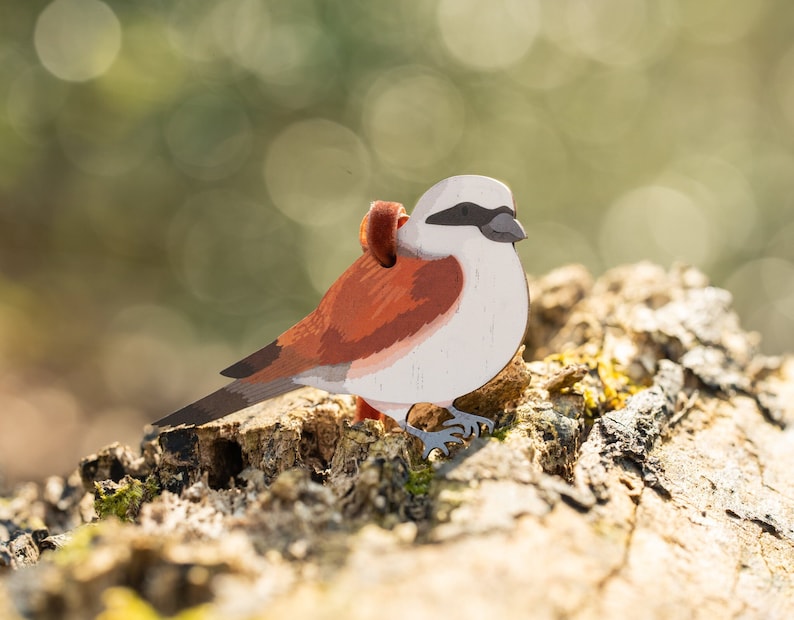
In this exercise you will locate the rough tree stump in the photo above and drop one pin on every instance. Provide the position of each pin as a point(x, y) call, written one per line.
point(641, 467)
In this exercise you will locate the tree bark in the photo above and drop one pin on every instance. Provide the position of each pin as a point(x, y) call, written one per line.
point(641, 466)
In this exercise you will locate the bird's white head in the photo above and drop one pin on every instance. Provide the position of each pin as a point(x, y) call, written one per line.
point(458, 212)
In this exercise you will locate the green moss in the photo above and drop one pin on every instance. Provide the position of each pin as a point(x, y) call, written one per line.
point(500, 433)
point(151, 487)
point(419, 480)
point(123, 499)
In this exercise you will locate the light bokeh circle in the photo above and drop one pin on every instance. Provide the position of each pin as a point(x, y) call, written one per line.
point(209, 136)
point(413, 118)
point(656, 223)
point(317, 171)
point(77, 40)
point(488, 35)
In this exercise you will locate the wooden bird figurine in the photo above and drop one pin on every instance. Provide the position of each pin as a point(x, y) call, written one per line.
point(438, 313)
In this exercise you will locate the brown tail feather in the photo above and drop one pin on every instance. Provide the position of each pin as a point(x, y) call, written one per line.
point(254, 362)
point(234, 397)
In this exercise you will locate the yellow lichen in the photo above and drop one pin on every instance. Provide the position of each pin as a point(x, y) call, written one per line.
point(605, 390)
point(78, 546)
point(126, 604)
point(618, 386)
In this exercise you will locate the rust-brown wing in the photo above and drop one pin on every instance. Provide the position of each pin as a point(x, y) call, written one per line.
point(367, 310)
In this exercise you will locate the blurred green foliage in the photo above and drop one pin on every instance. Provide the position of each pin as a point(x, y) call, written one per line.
point(180, 181)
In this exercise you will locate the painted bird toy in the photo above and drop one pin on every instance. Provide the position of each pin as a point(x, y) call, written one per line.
point(435, 308)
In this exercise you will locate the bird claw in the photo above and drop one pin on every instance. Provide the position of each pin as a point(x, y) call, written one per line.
point(437, 439)
point(469, 421)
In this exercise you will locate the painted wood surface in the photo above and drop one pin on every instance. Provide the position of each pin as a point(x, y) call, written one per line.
point(435, 307)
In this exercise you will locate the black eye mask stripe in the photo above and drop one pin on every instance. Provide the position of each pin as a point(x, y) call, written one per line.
point(467, 214)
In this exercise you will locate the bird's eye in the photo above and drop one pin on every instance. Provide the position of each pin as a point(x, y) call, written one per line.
point(464, 210)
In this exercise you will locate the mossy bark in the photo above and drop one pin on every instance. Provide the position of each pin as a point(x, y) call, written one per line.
point(640, 467)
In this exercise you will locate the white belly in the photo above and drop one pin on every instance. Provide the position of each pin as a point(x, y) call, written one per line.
point(477, 341)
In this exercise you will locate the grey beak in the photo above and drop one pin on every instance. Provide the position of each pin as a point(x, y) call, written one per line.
point(504, 228)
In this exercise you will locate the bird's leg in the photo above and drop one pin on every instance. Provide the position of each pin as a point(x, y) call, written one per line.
point(365, 411)
point(437, 439)
point(469, 421)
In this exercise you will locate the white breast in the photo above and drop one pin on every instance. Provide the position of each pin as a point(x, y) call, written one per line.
point(469, 349)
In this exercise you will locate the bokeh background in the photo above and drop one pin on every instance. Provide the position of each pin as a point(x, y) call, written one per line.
point(181, 180)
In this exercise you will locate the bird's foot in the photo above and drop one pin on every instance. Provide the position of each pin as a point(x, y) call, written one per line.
point(469, 421)
point(437, 439)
